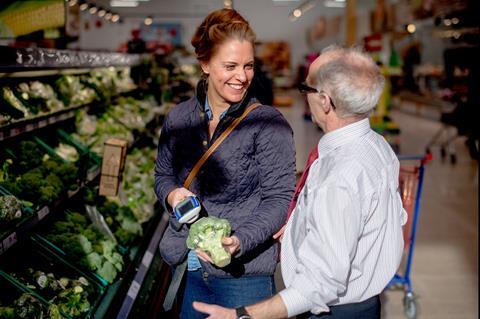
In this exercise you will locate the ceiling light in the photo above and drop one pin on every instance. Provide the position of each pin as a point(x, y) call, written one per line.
point(101, 13)
point(117, 3)
point(83, 6)
point(73, 3)
point(93, 10)
point(411, 28)
point(297, 13)
point(455, 20)
point(115, 18)
point(447, 22)
point(148, 21)
point(334, 4)
point(228, 4)
point(108, 16)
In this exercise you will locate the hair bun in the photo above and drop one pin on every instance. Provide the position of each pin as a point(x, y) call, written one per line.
point(217, 27)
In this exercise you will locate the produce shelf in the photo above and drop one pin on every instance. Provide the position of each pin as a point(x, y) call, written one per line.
point(31, 59)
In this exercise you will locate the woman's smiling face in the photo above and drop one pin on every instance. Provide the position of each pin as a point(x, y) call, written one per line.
point(230, 72)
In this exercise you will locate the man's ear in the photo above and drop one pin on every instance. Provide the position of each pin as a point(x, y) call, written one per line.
point(324, 103)
point(205, 67)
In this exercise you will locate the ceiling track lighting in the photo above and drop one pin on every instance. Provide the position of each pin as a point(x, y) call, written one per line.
point(301, 9)
point(93, 10)
point(84, 6)
point(101, 13)
point(228, 4)
point(148, 20)
point(98, 11)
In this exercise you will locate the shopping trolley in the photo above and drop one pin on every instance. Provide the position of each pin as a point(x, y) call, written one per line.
point(412, 169)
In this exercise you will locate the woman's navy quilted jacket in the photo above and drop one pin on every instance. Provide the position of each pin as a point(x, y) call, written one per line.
point(248, 180)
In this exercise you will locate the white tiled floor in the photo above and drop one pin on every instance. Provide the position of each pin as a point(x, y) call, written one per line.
point(445, 263)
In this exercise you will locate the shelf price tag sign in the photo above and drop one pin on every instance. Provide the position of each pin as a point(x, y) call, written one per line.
point(9, 241)
point(43, 212)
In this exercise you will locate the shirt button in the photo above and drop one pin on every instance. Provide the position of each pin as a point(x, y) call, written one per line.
point(205, 143)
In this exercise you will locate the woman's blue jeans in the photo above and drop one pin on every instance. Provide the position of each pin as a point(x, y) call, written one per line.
point(226, 292)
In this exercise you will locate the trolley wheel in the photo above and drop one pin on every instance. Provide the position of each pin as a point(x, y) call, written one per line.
point(410, 306)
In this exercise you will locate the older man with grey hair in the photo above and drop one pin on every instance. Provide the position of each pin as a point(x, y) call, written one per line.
point(343, 241)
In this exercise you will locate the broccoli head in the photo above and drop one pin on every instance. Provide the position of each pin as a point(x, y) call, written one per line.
point(29, 155)
point(207, 234)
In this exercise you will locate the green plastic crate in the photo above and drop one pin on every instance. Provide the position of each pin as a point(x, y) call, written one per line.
point(39, 258)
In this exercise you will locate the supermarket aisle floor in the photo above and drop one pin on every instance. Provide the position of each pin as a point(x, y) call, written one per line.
point(445, 264)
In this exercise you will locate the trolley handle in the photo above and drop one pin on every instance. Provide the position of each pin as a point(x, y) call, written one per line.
point(423, 158)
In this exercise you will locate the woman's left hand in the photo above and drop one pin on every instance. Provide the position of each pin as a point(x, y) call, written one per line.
point(231, 244)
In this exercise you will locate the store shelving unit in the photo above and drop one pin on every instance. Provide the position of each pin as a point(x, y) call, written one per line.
point(32, 63)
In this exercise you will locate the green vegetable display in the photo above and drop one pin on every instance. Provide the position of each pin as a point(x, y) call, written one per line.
point(72, 92)
point(70, 296)
point(83, 241)
point(38, 97)
point(10, 208)
point(206, 234)
point(139, 165)
point(67, 152)
point(25, 307)
point(10, 105)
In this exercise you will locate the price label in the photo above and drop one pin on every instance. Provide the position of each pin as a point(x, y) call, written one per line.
point(43, 212)
point(42, 123)
point(15, 131)
point(133, 290)
point(9, 241)
point(147, 259)
point(29, 127)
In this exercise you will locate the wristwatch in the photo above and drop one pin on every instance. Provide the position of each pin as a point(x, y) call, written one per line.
point(242, 313)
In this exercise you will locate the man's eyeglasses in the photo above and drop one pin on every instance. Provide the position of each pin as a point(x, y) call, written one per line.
point(305, 89)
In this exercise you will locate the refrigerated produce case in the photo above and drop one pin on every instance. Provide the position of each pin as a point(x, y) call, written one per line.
point(86, 86)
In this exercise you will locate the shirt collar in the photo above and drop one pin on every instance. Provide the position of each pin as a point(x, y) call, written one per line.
point(342, 136)
point(208, 110)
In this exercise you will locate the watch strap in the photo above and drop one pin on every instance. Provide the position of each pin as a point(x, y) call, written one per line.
point(242, 313)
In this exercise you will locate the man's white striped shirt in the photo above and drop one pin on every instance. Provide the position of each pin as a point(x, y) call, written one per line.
point(344, 241)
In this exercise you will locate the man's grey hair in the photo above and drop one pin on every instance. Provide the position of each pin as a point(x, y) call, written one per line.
point(352, 79)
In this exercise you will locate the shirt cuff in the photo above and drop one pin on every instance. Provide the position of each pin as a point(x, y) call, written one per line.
point(295, 302)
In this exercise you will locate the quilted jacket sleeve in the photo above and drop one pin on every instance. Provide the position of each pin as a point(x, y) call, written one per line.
point(172, 246)
point(275, 156)
point(165, 180)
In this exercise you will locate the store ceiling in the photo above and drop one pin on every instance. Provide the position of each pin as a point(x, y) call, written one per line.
point(200, 8)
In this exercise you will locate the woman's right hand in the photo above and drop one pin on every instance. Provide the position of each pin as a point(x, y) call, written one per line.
point(177, 195)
